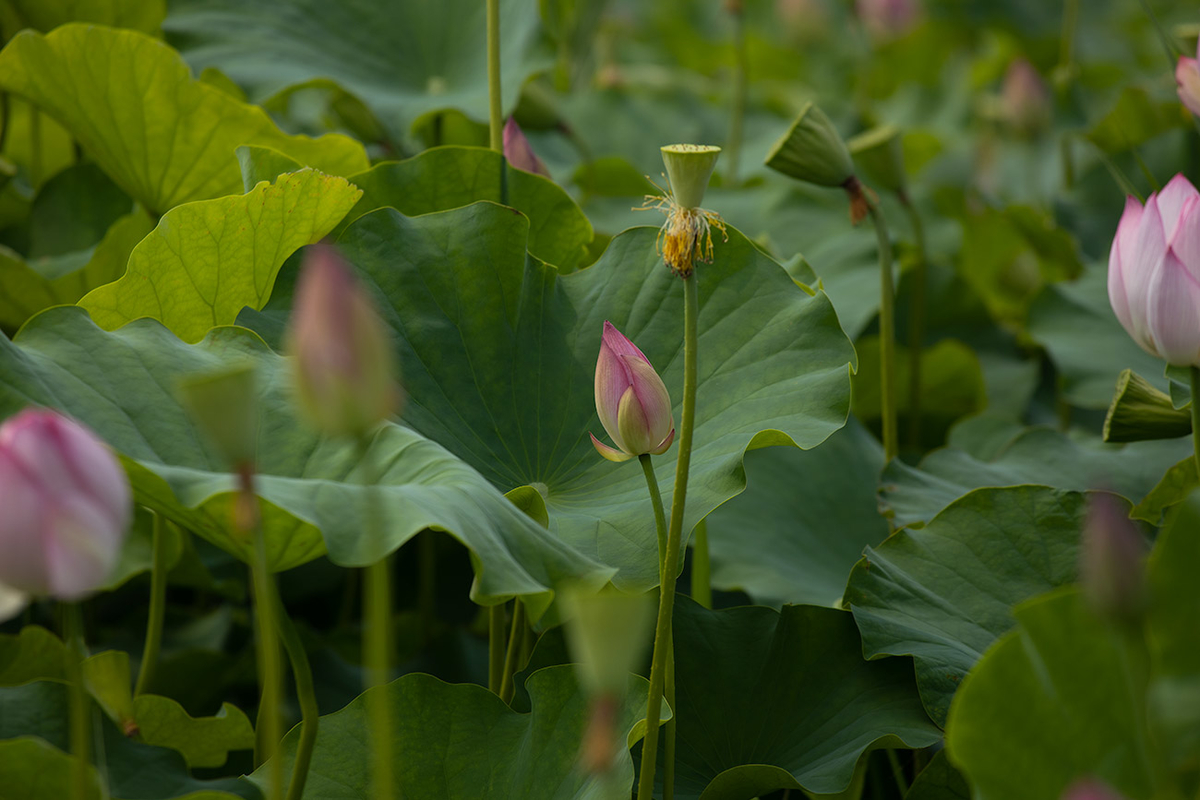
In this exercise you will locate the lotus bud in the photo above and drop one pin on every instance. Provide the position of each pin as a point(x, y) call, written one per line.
point(689, 168)
point(1154, 273)
point(1025, 98)
point(631, 400)
point(66, 506)
point(1091, 789)
point(1110, 561)
point(812, 151)
point(888, 19)
point(343, 369)
point(1187, 75)
point(519, 152)
point(880, 154)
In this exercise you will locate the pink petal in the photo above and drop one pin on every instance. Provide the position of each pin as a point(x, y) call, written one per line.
point(1121, 253)
point(24, 503)
point(81, 549)
point(519, 152)
point(612, 380)
point(1149, 247)
point(652, 396)
point(1187, 76)
point(611, 453)
point(1172, 201)
point(1173, 312)
point(665, 444)
point(619, 343)
point(636, 437)
point(1187, 237)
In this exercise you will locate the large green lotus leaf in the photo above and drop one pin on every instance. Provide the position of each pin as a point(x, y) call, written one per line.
point(451, 177)
point(772, 700)
point(1088, 346)
point(1035, 456)
point(33, 735)
point(30, 655)
point(801, 525)
point(132, 104)
point(404, 60)
point(939, 781)
point(1057, 699)
point(46, 15)
point(455, 741)
point(206, 261)
point(498, 352)
point(943, 593)
point(123, 385)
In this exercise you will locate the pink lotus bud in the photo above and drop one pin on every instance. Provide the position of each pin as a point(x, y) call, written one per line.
point(1187, 75)
point(1091, 789)
point(518, 151)
point(631, 399)
point(66, 506)
point(1154, 272)
point(1110, 561)
point(12, 602)
point(1025, 99)
point(343, 367)
point(888, 19)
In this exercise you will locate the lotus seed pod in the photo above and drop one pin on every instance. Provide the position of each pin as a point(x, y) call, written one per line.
point(224, 407)
point(879, 153)
point(812, 151)
point(689, 168)
point(608, 634)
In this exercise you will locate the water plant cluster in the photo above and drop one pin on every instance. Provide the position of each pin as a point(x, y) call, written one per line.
point(599, 399)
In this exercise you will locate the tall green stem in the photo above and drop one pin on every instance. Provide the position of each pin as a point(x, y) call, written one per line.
point(916, 322)
point(740, 85)
point(81, 709)
point(496, 647)
point(887, 336)
point(158, 607)
point(660, 517)
point(897, 771)
point(701, 566)
point(427, 582)
point(267, 646)
point(508, 685)
point(495, 112)
point(1066, 49)
point(666, 603)
point(377, 643)
point(1196, 415)
point(306, 694)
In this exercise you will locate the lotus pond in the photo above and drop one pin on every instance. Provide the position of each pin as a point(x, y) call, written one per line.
point(599, 399)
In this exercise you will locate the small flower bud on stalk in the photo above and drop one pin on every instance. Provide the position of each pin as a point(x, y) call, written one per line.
point(66, 506)
point(888, 19)
point(686, 236)
point(1091, 789)
point(1187, 76)
point(1025, 99)
point(341, 353)
point(1110, 561)
point(519, 152)
point(631, 400)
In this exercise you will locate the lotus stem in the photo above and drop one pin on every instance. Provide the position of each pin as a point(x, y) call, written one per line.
point(1196, 415)
point(508, 684)
point(701, 566)
point(887, 335)
point(495, 112)
point(80, 709)
point(158, 607)
point(916, 321)
point(309, 711)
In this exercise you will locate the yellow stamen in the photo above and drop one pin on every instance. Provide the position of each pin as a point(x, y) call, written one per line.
point(686, 236)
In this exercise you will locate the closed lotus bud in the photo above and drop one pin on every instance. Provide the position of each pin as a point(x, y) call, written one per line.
point(1091, 789)
point(519, 152)
point(631, 400)
point(888, 19)
point(1025, 98)
point(1111, 553)
point(343, 368)
point(66, 506)
point(1154, 273)
point(1187, 75)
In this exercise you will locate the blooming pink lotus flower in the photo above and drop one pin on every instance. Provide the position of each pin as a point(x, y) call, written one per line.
point(66, 506)
point(1154, 272)
point(887, 19)
point(519, 152)
point(631, 399)
point(343, 368)
point(1187, 75)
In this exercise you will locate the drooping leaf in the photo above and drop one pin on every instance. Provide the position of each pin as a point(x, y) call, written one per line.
point(162, 136)
point(1035, 456)
point(203, 741)
point(1176, 484)
point(404, 61)
point(122, 385)
point(460, 740)
point(939, 781)
point(206, 261)
point(771, 700)
point(451, 177)
point(1056, 700)
point(498, 352)
point(33, 654)
point(944, 593)
point(801, 525)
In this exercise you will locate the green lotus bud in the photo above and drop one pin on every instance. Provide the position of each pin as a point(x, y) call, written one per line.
point(608, 634)
point(1111, 553)
point(880, 155)
point(224, 407)
point(812, 151)
point(689, 167)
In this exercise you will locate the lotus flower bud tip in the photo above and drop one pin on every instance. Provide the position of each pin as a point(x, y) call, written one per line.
point(631, 400)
